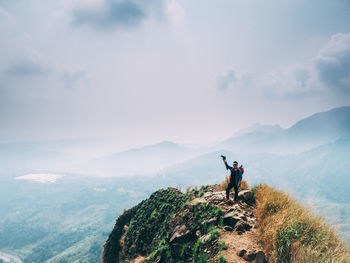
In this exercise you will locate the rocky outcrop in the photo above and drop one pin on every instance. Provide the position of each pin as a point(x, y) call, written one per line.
point(172, 226)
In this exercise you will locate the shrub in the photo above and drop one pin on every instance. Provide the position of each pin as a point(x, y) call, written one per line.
point(221, 245)
point(290, 232)
point(214, 234)
point(222, 259)
point(197, 250)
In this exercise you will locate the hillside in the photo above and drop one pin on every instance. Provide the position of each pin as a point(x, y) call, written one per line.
point(200, 226)
point(195, 227)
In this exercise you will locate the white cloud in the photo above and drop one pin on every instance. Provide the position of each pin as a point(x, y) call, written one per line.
point(72, 78)
point(293, 82)
point(175, 13)
point(231, 79)
point(328, 71)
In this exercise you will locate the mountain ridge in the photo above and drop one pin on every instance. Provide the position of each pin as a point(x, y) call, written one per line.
point(263, 225)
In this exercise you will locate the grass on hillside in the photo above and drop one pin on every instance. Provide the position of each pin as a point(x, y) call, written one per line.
point(291, 233)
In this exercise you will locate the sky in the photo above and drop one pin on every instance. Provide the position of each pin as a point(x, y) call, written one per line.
point(140, 72)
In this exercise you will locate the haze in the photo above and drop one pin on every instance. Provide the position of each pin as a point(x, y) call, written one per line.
point(138, 72)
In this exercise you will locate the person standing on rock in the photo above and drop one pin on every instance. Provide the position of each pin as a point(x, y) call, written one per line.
point(235, 178)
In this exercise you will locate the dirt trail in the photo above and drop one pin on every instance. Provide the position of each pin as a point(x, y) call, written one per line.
point(239, 242)
point(242, 240)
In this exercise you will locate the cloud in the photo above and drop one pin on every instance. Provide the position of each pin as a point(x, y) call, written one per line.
point(108, 14)
point(175, 13)
point(71, 78)
point(328, 71)
point(293, 82)
point(231, 79)
point(332, 63)
point(26, 67)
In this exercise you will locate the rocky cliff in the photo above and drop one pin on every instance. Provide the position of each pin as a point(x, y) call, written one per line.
point(197, 226)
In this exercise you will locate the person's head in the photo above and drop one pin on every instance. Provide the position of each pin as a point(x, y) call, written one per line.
point(235, 164)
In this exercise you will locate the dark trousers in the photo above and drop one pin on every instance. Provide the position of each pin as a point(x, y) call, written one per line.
point(229, 186)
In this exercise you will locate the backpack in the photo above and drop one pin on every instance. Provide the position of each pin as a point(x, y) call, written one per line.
point(242, 170)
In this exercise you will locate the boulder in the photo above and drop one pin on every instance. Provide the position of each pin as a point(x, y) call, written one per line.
point(242, 226)
point(260, 257)
point(214, 197)
point(241, 252)
point(246, 195)
point(250, 255)
point(205, 238)
point(181, 234)
point(243, 217)
point(213, 221)
point(228, 228)
point(230, 219)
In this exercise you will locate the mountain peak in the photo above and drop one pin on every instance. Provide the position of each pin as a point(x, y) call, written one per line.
point(201, 226)
point(172, 226)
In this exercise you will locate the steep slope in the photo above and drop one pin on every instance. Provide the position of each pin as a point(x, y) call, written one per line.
point(199, 226)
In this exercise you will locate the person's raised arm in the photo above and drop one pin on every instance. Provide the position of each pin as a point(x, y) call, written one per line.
point(227, 166)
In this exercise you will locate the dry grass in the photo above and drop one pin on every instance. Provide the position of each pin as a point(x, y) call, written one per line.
point(223, 185)
point(291, 233)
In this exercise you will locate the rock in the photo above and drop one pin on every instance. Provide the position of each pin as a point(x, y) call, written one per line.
point(243, 217)
point(207, 195)
point(181, 233)
point(205, 238)
point(246, 196)
point(242, 226)
point(230, 219)
point(212, 221)
point(198, 233)
point(229, 202)
point(260, 257)
point(240, 233)
point(250, 255)
point(241, 252)
point(214, 197)
point(228, 228)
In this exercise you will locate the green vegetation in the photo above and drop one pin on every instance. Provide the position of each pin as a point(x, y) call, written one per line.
point(291, 233)
point(214, 235)
point(202, 213)
point(148, 229)
point(197, 254)
point(221, 245)
point(222, 259)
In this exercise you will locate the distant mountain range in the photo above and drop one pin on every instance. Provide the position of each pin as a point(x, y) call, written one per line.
point(313, 131)
point(316, 130)
point(145, 160)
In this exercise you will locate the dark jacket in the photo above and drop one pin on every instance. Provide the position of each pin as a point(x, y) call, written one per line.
point(235, 175)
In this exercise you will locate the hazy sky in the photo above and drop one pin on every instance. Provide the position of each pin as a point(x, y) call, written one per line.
point(186, 71)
